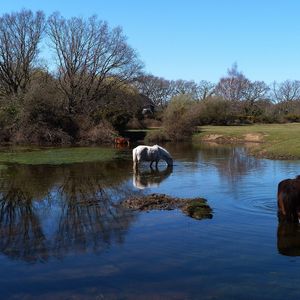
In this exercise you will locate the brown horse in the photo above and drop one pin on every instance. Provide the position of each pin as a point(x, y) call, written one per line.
point(288, 200)
point(121, 141)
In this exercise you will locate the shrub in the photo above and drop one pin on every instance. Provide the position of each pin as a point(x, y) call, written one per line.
point(9, 117)
point(156, 136)
point(103, 133)
point(41, 134)
point(216, 111)
point(113, 114)
point(292, 117)
point(148, 123)
point(179, 118)
point(135, 123)
point(43, 119)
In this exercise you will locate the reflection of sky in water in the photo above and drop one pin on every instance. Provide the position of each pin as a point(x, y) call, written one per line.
point(240, 253)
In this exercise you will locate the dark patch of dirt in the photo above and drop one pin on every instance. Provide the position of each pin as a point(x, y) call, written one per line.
point(221, 139)
point(267, 155)
point(225, 139)
point(193, 207)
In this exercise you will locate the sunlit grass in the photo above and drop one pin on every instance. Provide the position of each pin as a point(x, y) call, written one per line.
point(278, 140)
point(56, 156)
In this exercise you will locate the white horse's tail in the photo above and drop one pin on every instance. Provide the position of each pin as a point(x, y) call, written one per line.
point(134, 157)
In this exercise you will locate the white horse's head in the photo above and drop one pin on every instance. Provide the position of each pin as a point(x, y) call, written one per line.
point(165, 155)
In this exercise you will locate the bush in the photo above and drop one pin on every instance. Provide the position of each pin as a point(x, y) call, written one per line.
point(41, 134)
point(179, 118)
point(9, 117)
point(291, 117)
point(43, 119)
point(148, 123)
point(216, 111)
point(156, 136)
point(117, 117)
point(135, 123)
point(103, 133)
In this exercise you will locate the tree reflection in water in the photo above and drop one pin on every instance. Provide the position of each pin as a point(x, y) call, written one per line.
point(21, 235)
point(82, 195)
point(230, 161)
point(88, 219)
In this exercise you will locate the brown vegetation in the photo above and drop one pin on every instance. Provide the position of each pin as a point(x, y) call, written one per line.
point(196, 208)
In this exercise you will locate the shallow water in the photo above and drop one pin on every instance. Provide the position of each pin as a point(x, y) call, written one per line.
point(63, 234)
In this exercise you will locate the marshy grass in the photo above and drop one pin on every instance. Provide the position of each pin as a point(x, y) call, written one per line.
point(55, 156)
point(278, 141)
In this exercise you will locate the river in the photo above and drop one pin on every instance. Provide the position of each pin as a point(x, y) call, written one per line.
point(64, 234)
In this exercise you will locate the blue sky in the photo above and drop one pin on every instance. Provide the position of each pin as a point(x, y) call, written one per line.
point(195, 39)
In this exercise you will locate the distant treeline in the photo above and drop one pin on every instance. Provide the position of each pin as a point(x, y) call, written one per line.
point(97, 87)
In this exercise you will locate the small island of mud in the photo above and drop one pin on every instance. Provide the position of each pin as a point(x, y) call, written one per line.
point(196, 208)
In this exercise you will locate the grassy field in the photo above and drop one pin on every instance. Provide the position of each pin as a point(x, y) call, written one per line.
point(55, 156)
point(278, 141)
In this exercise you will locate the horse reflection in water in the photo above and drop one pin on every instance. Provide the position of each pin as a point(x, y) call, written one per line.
point(151, 154)
point(288, 239)
point(150, 178)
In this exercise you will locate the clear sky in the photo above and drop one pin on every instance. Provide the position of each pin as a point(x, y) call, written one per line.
point(197, 39)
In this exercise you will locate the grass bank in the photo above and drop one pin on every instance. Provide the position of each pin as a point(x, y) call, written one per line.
point(276, 141)
point(54, 156)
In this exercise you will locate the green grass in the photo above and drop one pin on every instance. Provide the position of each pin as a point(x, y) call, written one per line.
point(278, 140)
point(56, 156)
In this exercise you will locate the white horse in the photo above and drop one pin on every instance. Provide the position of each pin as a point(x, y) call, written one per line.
point(152, 154)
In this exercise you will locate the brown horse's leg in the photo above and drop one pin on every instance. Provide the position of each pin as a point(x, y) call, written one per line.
point(281, 204)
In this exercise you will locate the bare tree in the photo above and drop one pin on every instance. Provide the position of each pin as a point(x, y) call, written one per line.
point(256, 90)
point(205, 89)
point(233, 86)
point(20, 34)
point(288, 90)
point(185, 87)
point(91, 59)
point(287, 95)
point(161, 90)
point(253, 93)
point(158, 89)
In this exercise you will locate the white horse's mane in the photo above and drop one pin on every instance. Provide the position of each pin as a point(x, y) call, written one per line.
point(165, 150)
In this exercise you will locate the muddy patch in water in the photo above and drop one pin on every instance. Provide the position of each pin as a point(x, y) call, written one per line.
point(196, 208)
